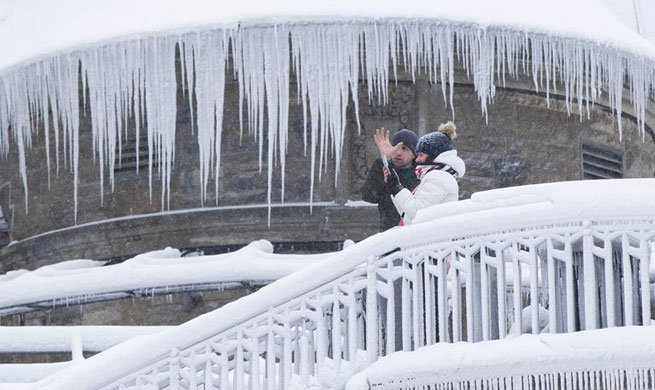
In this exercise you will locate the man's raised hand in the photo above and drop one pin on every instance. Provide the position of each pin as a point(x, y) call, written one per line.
point(381, 138)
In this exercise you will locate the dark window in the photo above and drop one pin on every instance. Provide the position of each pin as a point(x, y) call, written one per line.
point(127, 159)
point(601, 162)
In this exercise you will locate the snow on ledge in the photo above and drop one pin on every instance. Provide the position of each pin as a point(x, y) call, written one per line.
point(569, 356)
point(77, 281)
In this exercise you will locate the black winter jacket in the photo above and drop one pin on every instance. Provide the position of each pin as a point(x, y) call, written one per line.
point(376, 191)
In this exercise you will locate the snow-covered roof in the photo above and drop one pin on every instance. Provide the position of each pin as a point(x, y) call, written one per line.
point(40, 27)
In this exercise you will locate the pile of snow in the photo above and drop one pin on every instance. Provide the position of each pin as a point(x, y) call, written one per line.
point(79, 280)
point(515, 362)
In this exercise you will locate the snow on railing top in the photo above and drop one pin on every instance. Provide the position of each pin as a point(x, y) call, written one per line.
point(129, 69)
point(460, 230)
point(79, 281)
point(544, 356)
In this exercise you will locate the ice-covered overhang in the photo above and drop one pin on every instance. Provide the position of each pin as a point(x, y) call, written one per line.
point(126, 51)
point(35, 28)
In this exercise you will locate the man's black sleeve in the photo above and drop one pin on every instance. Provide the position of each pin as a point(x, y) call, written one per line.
point(374, 187)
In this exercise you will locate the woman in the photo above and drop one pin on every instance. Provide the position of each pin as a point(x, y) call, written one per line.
point(437, 167)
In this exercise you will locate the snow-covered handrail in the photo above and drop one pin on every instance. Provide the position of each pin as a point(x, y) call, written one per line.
point(77, 339)
point(586, 249)
point(160, 272)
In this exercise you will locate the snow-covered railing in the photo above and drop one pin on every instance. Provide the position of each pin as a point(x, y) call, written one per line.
point(57, 339)
point(619, 358)
point(161, 272)
point(586, 249)
point(75, 339)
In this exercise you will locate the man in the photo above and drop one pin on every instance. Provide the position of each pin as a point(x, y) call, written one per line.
point(400, 154)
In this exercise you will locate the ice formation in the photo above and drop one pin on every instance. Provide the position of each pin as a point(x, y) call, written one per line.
point(136, 79)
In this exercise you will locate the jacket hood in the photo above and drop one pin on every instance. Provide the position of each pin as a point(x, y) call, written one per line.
point(451, 158)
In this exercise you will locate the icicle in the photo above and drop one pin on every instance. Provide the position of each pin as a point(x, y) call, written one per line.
point(137, 77)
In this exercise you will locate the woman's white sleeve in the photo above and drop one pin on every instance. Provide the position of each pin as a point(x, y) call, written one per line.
point(431, 191)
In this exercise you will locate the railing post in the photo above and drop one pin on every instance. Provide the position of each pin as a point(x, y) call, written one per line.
point(428, 295)
point(336, 329)
point(470, 323)
point(371, 311)
point(590, 283)
point(645, 281)
point(352, 323)
point(502, 295)
point(270, 353)
point(484, 293)
point(628, 314)
point(570, 283)
point(457, 298)
point(406, 312)
point(534, 288)
point(552, 293)
point(254, 381)
point(238, 370)
point(518, 306)
point(77, 351)
point(391, 310)
point(441, 305)
point(609, 283)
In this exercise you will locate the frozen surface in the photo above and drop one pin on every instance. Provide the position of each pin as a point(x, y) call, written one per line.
point(75, 281)
point(628, 348)
point(126, 52)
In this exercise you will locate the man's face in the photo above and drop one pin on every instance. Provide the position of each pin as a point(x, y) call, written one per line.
point(401, 155)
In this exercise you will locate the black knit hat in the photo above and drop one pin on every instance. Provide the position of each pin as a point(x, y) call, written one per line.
point(433, 144)
point(407, 137)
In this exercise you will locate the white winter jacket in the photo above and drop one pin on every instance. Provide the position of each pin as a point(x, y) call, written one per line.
point(437, 186)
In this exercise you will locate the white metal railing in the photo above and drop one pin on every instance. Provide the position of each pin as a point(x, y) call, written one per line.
point(470, 276)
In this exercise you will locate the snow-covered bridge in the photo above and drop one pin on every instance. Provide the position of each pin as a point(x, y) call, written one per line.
point(556, 258)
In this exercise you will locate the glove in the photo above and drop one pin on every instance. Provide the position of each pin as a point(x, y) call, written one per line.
point(394, 182)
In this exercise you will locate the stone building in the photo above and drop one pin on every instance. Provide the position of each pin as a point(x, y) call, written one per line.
point(521, 138)
point(523, 142)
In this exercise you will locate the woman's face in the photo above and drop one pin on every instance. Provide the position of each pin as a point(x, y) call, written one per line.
point(422, 158)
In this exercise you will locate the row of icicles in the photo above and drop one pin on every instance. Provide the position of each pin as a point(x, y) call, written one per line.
point(137, 79)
